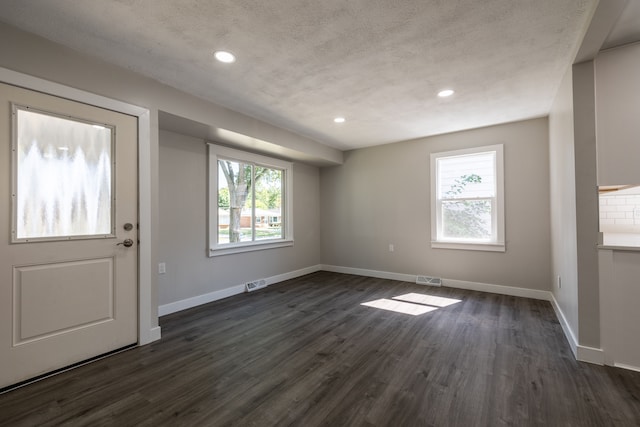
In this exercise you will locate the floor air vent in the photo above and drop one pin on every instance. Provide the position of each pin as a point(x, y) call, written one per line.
point(255, 285)
point(428, 280)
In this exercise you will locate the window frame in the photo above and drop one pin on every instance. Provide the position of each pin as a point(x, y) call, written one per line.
point(497, 242)
point(218, 152)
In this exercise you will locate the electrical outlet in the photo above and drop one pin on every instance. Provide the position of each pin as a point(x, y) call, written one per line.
point(391, 247)
point(162, 268)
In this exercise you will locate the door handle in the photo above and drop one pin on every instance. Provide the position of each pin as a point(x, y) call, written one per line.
point(127, 243)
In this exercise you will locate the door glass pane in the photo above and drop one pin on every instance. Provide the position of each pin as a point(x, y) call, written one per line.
point(63, 177)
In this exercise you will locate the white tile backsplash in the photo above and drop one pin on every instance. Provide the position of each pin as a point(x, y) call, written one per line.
point(618, 213)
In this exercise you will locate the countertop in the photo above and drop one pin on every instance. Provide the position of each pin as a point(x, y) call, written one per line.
point(620, 241)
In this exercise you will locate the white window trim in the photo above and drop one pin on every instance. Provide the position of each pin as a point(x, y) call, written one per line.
point(219, 152)
point(498, 242)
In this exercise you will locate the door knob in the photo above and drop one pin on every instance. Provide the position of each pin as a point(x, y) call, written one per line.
point(127, 243)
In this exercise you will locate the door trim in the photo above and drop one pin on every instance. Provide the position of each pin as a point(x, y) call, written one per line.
point(148, 331)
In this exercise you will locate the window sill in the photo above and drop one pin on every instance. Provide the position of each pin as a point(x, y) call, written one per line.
point(249, 247)
point(490, 247)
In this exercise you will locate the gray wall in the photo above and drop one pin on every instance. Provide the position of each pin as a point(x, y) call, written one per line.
point(562, 193)
point(618, 123)
point(574, 203)
point(617, 86)
point(380, 196)
point(183, 227)
point(586, 204)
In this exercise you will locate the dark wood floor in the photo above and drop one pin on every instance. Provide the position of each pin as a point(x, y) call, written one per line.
point(307, 353)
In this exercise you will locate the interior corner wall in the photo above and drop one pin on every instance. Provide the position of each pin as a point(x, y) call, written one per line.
point(381, 196)
point(190, 272)
point(562, 194)
point(587, 218)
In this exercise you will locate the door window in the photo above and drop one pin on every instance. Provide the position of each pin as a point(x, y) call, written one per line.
point(62, 177)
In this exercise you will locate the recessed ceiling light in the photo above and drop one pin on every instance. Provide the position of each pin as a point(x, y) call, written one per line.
point(224, 56)
point(446, 92)
point(339, 120)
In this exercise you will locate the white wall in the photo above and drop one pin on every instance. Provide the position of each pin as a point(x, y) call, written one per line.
point(563, 204)
point(617, 81)
point(183, 227)
point(380, 196)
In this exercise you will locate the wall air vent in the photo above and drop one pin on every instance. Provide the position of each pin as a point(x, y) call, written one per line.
point(428, 280)
point(255, 285)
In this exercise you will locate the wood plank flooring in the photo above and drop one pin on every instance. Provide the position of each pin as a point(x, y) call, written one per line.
point(306, 353)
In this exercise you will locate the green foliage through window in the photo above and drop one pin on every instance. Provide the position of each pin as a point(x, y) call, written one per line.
point(466, 218)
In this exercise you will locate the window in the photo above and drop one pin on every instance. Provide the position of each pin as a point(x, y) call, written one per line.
point(467, 199)
point(250, 202)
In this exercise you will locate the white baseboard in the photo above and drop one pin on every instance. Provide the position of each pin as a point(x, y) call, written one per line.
point(629, 367)
point(590, 355)
point(293, 274)
point(184, 304)
point(461, 284)
point(580, 352)
point(155, 334)
point(498, 289)
point(568, 332)
point(370, 273)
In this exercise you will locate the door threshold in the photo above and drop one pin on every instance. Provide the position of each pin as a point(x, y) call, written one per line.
point(41, 377)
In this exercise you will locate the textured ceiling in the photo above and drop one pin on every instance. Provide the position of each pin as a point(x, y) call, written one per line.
point(300, 63)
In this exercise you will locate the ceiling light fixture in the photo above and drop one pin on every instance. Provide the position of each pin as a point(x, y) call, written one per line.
point(224, 56)
point(339, 120)
point(445, 93)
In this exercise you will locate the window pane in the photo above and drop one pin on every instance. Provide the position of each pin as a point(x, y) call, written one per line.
point(268, 191)
point(466, 219)
point(63, 177)
point(467, 176)
point(234, 211)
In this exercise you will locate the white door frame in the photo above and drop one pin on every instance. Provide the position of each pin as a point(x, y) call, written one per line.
point(147, 332)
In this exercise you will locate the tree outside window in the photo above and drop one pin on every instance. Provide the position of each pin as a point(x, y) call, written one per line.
point(250, 201)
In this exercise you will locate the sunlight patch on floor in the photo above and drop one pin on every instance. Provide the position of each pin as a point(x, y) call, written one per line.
point(412, 303)
point(427, 299)
point(400, 307)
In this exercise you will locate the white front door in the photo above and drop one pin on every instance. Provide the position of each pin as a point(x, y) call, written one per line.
point(68, 233)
